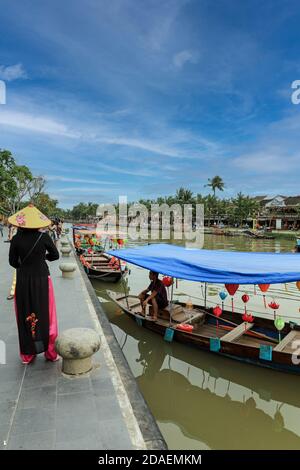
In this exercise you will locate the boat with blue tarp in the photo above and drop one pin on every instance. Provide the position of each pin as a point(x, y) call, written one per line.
point(269, 342)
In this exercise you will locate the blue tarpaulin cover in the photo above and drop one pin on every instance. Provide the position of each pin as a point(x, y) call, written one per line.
point(214, 266)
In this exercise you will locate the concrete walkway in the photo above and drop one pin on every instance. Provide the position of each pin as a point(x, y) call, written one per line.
point(42, 409)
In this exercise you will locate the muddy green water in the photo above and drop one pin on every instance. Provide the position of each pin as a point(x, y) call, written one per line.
point(202, 401)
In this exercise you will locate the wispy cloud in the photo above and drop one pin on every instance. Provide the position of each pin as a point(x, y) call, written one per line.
point(124, 171)
point(36, 123)
point(85, 189)
point(65, 179)
point(182, 57)
point(12, 72)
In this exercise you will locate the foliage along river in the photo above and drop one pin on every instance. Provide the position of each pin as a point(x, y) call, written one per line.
point(202, 401)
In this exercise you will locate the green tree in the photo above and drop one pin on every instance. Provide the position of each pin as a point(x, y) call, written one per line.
point(216, 183)
point(46, 204)
point(184, 196)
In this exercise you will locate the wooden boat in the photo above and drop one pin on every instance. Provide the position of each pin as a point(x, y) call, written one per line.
point(100, 266)
point(255, 340)
point(255, 234)
point(233, 337)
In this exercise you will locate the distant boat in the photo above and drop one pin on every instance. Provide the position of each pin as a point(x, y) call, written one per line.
point(102, 267)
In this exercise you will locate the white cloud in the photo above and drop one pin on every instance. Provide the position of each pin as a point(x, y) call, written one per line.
point(78, 180)
point(130, 171)
point(12, 72)
point(35, 123)
point(169, 143)
point(182, 57)
point(86, 189)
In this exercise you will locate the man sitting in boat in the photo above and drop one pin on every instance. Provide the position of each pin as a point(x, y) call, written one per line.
point(158, 297)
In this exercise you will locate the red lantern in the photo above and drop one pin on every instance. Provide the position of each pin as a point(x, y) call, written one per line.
point(274, 306)
point(264, 288)
point(231, 289)
point(217, 311)
point(245, 299)
point(248, 318)
point(167, 281)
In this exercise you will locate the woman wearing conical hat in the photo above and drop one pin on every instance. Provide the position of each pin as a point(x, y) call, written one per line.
point(34, 296)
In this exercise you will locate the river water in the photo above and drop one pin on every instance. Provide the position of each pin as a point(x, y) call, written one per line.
point(202, 401)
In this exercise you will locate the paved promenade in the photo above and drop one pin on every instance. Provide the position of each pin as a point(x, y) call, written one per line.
point(42, 409)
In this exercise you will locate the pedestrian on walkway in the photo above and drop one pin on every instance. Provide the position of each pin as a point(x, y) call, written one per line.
point(34, 296)
point(1, 228)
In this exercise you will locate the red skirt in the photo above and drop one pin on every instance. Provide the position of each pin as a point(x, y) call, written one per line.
point(52, 332)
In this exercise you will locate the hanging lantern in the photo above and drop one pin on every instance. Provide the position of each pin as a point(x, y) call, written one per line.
point(217, 311)
point(264, 288)
point(274, 306)
point(167, 281)
point(279, 325)
point(248, 318)
point(223, 296)
point(231, 289)
point(245, 299)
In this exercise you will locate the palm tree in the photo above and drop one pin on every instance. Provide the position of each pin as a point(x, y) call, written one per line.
point(216, 183)
point(184, 196)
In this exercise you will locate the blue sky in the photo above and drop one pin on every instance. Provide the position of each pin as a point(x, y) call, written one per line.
point(142, 97)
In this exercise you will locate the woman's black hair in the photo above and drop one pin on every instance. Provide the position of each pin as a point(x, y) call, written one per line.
point(154, 273)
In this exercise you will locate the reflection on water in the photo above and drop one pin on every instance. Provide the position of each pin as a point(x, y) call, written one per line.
point(202, 401)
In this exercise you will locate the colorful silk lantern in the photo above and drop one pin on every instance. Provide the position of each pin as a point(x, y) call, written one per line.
point(223, 296)
point(274, 306)
point(264, 288)
point(279, 324)
point(217, 311)
point(231, 289)
point(245, 299)
point(167, 281)
point(248, 318)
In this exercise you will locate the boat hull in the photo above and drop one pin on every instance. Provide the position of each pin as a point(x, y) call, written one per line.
point(105, 276)
point(280, 361)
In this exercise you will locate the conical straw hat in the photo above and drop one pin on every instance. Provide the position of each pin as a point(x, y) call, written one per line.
point(29, 217)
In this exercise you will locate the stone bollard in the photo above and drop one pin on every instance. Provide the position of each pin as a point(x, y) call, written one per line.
point(67, 269)
point(65, 251)
point(76, 346)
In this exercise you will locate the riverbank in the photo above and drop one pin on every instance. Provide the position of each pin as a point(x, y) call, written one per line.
point(42, 409)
